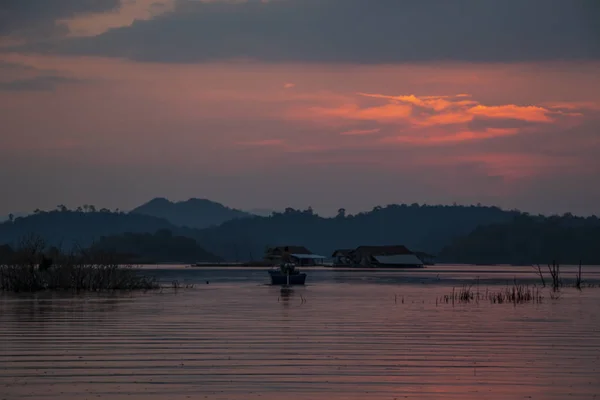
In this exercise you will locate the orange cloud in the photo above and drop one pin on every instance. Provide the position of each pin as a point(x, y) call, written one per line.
point(386, 112)
point(419, 116)
point(441, 138)
point(511, 111)
point(436, 103)
point(360, 132)
point(443, 119)
point(434, 110)
point(574, 105)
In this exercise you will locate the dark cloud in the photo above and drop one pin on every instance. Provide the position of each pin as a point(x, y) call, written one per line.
point(37, 18)
point(9, 67)
point(358, 31)
point(40, 83)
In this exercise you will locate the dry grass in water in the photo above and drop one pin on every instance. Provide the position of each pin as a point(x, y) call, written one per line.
point(31, 270)
point(516, 294)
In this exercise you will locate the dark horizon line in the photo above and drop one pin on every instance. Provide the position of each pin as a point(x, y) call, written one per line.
point(283, 210)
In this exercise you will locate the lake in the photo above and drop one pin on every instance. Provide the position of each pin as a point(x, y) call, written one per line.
point(345, 335)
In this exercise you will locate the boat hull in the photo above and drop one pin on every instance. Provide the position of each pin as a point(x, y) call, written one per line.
point(277, 278)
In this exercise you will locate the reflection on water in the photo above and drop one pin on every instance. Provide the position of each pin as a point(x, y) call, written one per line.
point(343, 336)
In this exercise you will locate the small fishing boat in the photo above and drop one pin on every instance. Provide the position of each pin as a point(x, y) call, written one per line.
point(287, 274)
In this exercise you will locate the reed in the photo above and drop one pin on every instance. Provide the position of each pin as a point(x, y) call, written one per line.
point(515, 294)
point(541, 275)
point(31, 270)
point(555, 274)
point(578, 278)
point(464, 295)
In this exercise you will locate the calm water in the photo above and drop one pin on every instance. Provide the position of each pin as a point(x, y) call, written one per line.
point(346, 335)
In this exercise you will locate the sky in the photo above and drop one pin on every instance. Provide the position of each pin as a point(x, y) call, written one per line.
point(322, 103)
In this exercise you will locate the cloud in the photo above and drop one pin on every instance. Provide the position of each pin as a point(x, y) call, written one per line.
point(349, 31)
point(461, 136)
point(443, 120)
point(130, 11)
point(289, 86)
point(511, 111)
point(36, 19)
point(355, 132)
point(11, 68)
point(40, 83)
point(262, 143)
point(433, 110)
point(575, 105)
point(386, 112)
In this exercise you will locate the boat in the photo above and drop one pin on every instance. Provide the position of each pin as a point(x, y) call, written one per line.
point(287, 274)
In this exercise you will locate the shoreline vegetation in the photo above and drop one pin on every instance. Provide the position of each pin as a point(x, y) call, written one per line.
point(517, 293)
point(33, 267)
point(455, 234)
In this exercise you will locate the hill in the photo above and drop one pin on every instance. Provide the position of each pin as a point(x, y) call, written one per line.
point(67, 228)
point(193, 213)
point(462, 234)
point(261, 212)
point(529, 240)
point(161, 246)
point(419, 227)
point(11, 216)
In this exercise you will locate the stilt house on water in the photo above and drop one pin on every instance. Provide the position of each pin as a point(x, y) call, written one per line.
point(377, 257)
point(298, 255)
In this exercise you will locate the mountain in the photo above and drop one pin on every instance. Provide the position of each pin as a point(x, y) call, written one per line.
point(465, 234)
point(261, 212)
point(14, 215)
point(161, 246)
point(420, 228)
point(193, 213)
point(68, 228)
point(529, 240)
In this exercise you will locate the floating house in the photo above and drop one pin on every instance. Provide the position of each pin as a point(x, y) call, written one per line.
point(342, 257)
point(377, 257)
point(427, 259)
point(298, 255)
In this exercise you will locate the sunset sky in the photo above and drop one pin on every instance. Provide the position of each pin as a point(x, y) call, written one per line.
point(276, 103)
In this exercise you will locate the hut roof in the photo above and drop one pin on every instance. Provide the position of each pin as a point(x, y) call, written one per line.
point(383, 250)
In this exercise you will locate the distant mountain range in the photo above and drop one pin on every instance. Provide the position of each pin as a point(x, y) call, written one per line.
point(14, 215)
point(159, 247)
point(421, 228)
point(529, 240)
point(193, 213)
point(470, 234)
point(261, 212)
point(70, 228)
